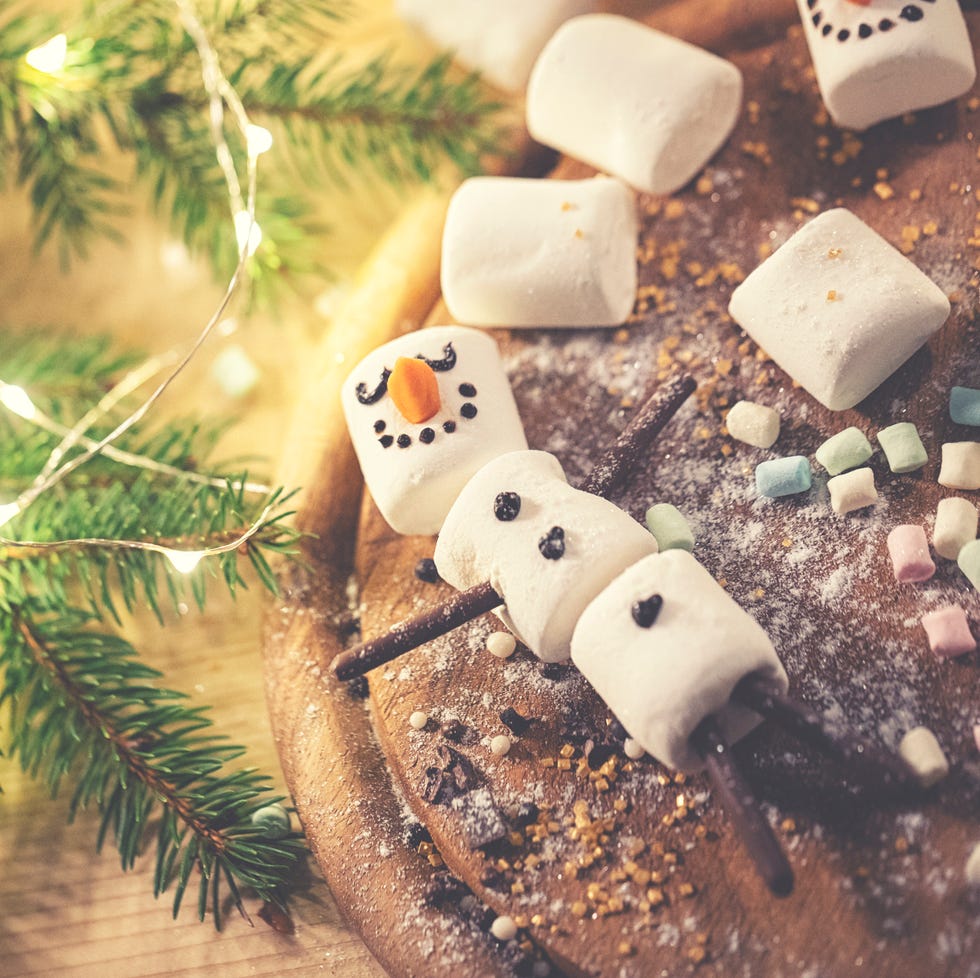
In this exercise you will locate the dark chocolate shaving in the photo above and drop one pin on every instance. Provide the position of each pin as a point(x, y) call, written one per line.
point(514, 721)
point(447, 362)
point(416, 834)
point(527, 814)
point(451, 777)
point(481, 819)
point(358, 687)
point(426, 570)
point(597, 753)
point(445, 890)
point(453, 731)
point(372, 397)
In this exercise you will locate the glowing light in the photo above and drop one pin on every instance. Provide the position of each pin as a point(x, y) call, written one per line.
point(258, 139)
point(16, 399)
point(248, 232)
point(184, 560)
point(50, 56)
point(7, 512)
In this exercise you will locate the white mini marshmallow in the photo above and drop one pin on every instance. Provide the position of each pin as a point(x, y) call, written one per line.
point(589, 541)
point(499, 38)
point(880, 61)
point(838, 308)
point(661, 681)
point(415, 470)
point(956, 526)
point(852, 490)
point(632, 101)
point(960, 467)
point(754, 424)
point(920, 749)
point(521, 252)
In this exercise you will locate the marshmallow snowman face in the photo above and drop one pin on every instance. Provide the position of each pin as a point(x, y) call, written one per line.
point(546, 548)
point(425, 412)
point(878, 59)
point(664, 646)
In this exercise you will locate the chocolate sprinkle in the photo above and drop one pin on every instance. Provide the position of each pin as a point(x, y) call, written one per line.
point(404, 441)
point(552, 544)
point(645, 612)
point(386, 441)
point(449, 427)
point(507, 506)
point(514, 721)
point(379, 426)
point(426, 570)
point(467, 390)
point(468, 410)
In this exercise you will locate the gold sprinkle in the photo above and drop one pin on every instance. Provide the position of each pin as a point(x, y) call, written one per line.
point(567, 205)
point(537, 920)
point(655, 897)
point(915, 195)
point(697, 955)
point(704, 186)
point(835, 252)
point(787, 542)
point(788, 825)
point(686, 890)
point(901, 844)
point(521, 920)
point(680, 801)
point(578, 909)
point(930, 228)
point(624, 949)
point(579, 233)
point(517, 887)
point(832, 295)
point(673, 209)
point(567, 750)
point(884, 190)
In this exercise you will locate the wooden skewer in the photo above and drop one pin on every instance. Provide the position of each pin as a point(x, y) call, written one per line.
point(807, 725)
point(743, 809)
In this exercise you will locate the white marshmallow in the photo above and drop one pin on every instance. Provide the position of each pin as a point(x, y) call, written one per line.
point(920, 749)
point(956, 526)
point(521, 252)
point(499, 38)
point(662, 681)
point(877, 62)
point(754, 424)
point(838, 308)
point(852, 490)
point(960, 467)
point(415, 485)
point(543, 597)
point(632, 101)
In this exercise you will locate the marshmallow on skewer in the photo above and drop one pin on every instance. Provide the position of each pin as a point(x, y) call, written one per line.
point(632, 101)
point(838, 308)
point(547, 549)
point(425, 412)
point(877, 60)
point(519, 252)
point(665, 646)
point(499, 38)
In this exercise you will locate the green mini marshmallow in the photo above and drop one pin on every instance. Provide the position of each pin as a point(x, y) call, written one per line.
point(969, 562)
point(846, 450)
point(903, 447)
point(669, 528)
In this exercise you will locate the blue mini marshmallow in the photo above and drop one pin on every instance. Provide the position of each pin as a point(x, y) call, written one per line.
point(783, 476)
point(964, 405)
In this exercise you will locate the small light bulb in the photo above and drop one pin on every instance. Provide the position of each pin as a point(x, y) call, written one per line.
point(7, 512)
point(16, 399)
point(50, 56)
point(247, 231)
point(258, 139)
point(184, 560)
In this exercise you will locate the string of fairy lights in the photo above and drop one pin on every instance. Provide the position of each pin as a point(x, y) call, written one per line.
point(224, 104)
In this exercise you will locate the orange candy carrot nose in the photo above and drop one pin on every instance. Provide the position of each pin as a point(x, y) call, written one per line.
point(414, 389)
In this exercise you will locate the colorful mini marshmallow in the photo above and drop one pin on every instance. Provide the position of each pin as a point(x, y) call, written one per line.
point(659, 673)
point(838, 308)
point(498, 38)
point(631, 101)
point(948, 631)
point(956, 526)
point(920, 749)
point(968, 561)
point(960, 467)
point(783, 476)
point(546, 548)
point(521, 252)
point(876, 61)
point(909, 552)
point(846, 450)
point(964, 405)
point(754, 424)
point(668, 525)
point(903, 447)
point(425, 412)
point(852, 490)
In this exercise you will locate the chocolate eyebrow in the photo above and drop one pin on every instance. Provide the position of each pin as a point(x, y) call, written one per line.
point(447, 362)
point(374, 396)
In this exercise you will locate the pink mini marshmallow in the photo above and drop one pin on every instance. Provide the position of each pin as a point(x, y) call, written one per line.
point(976, 735)
point(909, 551)
point(949, 632)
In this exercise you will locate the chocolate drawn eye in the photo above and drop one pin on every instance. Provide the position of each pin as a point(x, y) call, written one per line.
point(372, 397)
point(646, 610)
point(552, 544)
point(506, 506)
point(447, 362)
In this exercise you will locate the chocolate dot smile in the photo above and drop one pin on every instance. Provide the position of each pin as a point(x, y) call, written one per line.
point(823, 11)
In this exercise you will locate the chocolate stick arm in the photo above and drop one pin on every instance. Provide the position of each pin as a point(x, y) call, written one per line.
point(609, 473)
point(740, 803)
point(807, 725)
point(412, 632)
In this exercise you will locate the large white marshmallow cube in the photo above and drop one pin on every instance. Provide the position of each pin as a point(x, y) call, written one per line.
point(880, 60)
point(415, 469)
point(499, 38)
point(632, 101)
point(519, 252)
point(838, 308)
point(546, 548)
point(661, 679)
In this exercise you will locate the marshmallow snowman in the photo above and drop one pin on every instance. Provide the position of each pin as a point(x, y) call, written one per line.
point(877, 59)
point(425, 412)
point(548, 549)
point(664, 646)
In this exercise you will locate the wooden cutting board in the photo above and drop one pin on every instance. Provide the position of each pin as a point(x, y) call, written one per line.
point(880, 887)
